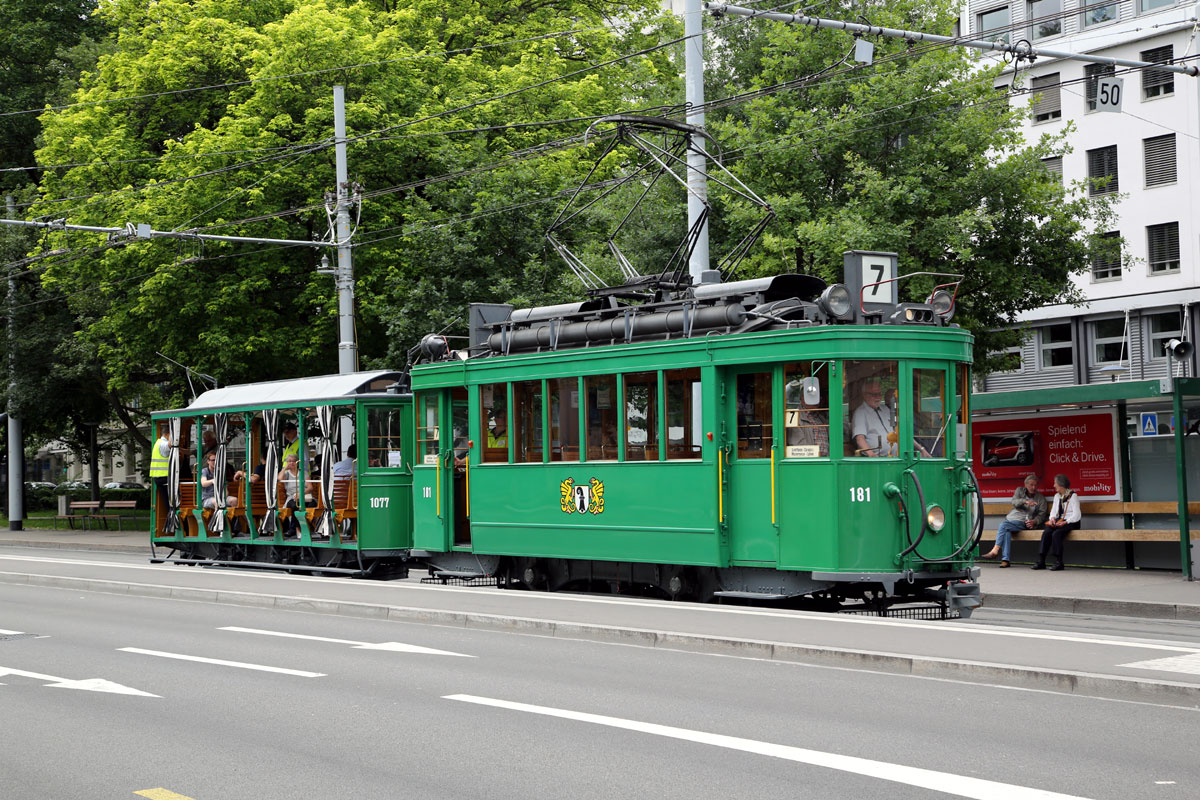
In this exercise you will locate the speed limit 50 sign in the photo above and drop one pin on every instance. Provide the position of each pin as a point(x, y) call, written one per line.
point(1108, 94)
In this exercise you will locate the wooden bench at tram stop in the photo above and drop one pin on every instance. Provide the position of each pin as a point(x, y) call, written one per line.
point(84, 511)
point(995, 512)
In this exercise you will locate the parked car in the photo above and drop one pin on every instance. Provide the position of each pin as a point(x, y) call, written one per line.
point(123, 485)
point(31, 485)
point(73, 486)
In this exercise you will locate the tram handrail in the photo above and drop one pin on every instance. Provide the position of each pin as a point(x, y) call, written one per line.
point(912, 546)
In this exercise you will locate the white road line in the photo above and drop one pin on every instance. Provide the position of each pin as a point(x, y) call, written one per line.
point(947, 782)
point(797, 616)
point(220, 662)
point(10, 633)
point(1188, 665)
point(398, 647)
point(87, 684)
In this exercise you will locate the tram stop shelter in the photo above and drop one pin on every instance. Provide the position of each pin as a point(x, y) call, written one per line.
point(1126, 447)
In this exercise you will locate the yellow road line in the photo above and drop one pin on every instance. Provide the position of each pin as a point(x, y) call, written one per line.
point(161, 794)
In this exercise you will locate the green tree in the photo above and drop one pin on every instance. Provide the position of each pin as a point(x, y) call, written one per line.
point(260, 145)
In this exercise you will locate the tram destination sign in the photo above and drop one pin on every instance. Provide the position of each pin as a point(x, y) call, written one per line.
point(1081, 445)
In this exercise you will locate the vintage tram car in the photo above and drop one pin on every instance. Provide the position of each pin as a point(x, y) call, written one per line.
point(769, 438)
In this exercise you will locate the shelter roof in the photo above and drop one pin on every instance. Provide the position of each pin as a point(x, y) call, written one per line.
point(294, 391)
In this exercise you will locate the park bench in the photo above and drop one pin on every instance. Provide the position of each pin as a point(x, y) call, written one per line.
point(1130, 532)
point(78, 510)
point(124, 510)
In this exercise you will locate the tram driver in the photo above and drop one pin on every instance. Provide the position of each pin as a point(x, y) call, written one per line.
point(874, 426)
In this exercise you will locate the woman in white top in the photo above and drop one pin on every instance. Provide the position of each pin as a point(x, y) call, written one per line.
point(1065, 517)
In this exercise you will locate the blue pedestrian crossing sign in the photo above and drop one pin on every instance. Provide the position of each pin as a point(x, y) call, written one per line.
point(1149, 423)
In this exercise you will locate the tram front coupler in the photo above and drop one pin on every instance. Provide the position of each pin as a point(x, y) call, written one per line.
point(961, 595)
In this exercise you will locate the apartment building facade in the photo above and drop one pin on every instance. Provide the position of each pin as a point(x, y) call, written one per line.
point(1147, 156)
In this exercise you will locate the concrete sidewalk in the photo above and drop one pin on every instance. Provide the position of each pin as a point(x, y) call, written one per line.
point(1158, 594)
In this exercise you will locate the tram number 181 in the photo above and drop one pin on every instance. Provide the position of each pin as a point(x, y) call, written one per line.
point(860, 494)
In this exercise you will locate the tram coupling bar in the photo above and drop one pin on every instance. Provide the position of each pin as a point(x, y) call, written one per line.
point(962, 596)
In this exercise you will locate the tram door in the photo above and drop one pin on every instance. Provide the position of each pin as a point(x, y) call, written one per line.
point(750, 415)
point(440, 476)
point(459, 421)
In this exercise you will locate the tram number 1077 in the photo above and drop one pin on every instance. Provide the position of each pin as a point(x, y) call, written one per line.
point(380, 502)
point(860, 494)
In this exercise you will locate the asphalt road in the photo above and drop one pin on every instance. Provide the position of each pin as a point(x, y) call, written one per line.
point(516, 715)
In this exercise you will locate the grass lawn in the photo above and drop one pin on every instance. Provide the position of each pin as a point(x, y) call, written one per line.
point(44, 520)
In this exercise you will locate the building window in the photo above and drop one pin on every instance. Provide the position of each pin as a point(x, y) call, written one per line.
point(1157, 82)
point(1047, 101)
point(1093, 73)
point(1160, 329)
point(1108, 341)
point(1162, 242)
point(1057, 345)
point(995, 22)
point(1106, 260)
point(1045, 17)
point(1160, 159)
point(1098, 15)
point(1150, 5)
point(1010, 361)
point(1054, 165)
point(1102, 170)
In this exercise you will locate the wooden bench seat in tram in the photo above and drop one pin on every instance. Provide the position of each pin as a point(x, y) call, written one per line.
point(345, 506)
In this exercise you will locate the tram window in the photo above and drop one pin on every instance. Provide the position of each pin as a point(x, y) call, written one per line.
point(601, 393)
point(754, 411)
point(428, 442)
point(683, 413)
point(493, 410)
point(962, 404)
point(641, 416)
point(870, 403)
point(527, 417)
point(929, 407)
point(806, 426)
point(564, 419)
point(384, 430)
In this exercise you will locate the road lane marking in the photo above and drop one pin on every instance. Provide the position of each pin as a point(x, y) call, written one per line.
point(398, 647)
point(86, 684)
point(1188, 665)
point(947, 782)
point(10, 633)
point(222, 663)
point(795, 616)
point(162, 794)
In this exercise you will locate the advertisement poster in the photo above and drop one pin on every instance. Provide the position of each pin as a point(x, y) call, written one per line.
point(1079, 444)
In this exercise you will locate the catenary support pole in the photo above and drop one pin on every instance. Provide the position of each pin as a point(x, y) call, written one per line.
point(697, 181)
point(1185, 539)
point(16, 442)
point(347, 348)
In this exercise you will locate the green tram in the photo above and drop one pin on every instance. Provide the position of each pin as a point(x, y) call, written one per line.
point(756, 439)
point(356, 520)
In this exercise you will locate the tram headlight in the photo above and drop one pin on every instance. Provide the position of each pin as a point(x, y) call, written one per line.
point(835, 301)
point(943, 304)
point(935, 518)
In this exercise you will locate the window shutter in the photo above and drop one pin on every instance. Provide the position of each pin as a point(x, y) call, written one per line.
point(1163, 246)
point(1047, 104)
point(1160, 159)
point(1106, 263)
point(1093, 73)
point(1102, 163)
point(1053, 165)
point(1157, 82)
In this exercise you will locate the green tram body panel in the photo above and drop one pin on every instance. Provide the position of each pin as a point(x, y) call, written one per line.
point(831, 514)
point(383, 485)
